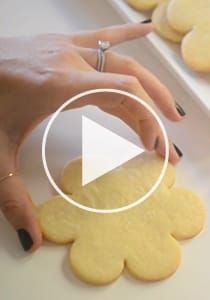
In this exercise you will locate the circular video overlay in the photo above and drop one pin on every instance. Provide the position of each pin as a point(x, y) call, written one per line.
point(95, 210)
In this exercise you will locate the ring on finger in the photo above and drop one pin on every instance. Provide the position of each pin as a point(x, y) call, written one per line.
point(3, 178)
point(101, 57)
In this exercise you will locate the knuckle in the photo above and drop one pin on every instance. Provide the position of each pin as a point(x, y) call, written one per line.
point(46, 78)
point(110, 54)
point(130, 63)
point(68, 53)
point(130, 83)
point(10, 206)
point(50, 77)
point(59, 55)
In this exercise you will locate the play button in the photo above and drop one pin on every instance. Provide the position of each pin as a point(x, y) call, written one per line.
point(103, 150)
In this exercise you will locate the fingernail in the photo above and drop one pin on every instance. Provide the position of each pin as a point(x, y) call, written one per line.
point(178, 151)
point(180, 110)
point(156, 143)
point(146, 21)
point(25, 239)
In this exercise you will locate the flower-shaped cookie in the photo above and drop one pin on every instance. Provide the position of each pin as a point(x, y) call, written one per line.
point(159, 17)
point(143, 5)
point(162, 26)
point(192, 18)
point(143, 239)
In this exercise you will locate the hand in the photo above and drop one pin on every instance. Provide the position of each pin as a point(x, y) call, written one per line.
point(38, 74)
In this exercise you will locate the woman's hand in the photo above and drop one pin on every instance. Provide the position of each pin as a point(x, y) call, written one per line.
point(38, 74)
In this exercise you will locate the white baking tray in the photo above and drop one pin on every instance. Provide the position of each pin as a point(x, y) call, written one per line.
point(45, 274)
point(196, 84)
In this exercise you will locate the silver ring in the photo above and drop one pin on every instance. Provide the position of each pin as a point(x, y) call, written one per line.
point(6, 177)
point(103, 46)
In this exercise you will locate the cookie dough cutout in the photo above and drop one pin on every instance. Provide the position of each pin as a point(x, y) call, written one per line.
point(163, 28)
point(194, 24)
point(196, 49)
point(143, 5)
point(144, 240)
point(122, 191)
point(183, 15)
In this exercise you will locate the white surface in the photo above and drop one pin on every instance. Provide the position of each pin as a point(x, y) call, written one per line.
point(45, 274)
point(198, 85)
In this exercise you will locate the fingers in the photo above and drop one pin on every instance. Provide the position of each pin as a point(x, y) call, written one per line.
point(174, 152)
point(114, 102)
point(148, 135)
point(154, 88)
point(96, 80)
point(132, 112)
point(161, 96)
point(114, 34)
point(123, 115)
point(17, 207)
point(153, 139)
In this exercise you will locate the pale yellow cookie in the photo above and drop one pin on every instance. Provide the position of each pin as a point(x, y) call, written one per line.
point(196, 49)
point(192, 18)
point(124, 178)
point(143, 239)
point(143, 5)
point(159, 18)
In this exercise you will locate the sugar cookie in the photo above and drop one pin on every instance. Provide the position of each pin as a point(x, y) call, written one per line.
point(143, 4)
point(192, 18)
point(144, 240)
point(159, 18)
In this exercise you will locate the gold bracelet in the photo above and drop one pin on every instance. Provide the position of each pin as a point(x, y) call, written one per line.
point(6, 177)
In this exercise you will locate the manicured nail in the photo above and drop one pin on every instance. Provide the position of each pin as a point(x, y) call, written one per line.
point(180, 110)
point(25, 239)
point(178, 151)
point(156, 143)
point(146, 21)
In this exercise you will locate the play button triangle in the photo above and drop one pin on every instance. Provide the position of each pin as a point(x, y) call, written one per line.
point(103, 150)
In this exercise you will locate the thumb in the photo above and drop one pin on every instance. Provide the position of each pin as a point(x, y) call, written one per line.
point(18, 208)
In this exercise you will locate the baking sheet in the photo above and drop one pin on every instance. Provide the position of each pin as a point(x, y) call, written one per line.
point(45, 274)
point(197, 85)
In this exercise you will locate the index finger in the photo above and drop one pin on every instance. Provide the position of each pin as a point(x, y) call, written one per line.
point(114, 34)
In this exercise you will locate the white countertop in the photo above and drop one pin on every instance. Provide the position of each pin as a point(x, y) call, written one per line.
point(45, 274)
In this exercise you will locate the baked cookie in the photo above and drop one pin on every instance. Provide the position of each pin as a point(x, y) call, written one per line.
point(163, 28)
point(192, 18)
point(143, 5)
point(144, 239)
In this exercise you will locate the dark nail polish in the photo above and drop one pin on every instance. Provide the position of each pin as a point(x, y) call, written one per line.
point(180, 110)
point(146, 21)
point(178, 151)
point(156, 143)
point(25, 239)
